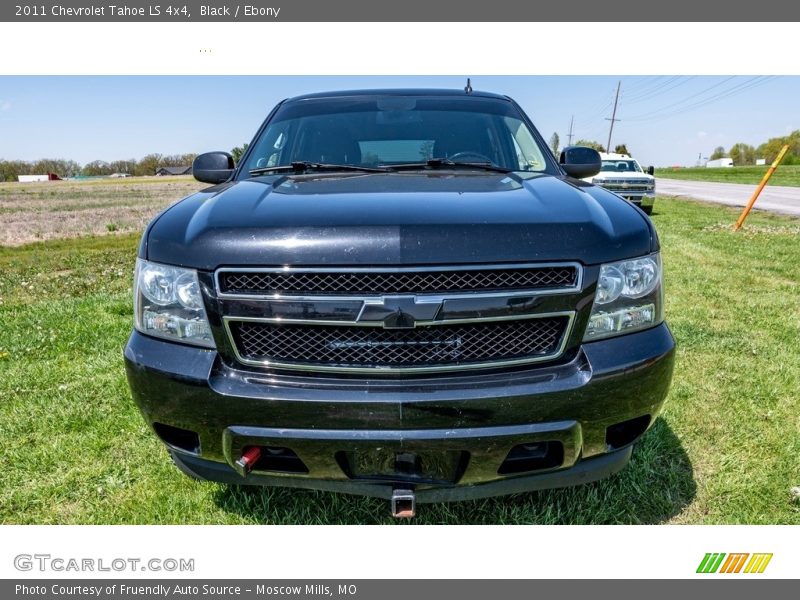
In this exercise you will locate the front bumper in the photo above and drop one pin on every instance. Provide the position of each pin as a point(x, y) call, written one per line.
point(644, 201)
point(641, 199)
point(454, 434)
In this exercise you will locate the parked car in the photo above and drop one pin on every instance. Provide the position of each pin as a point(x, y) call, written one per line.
point(624, 176)
point(400, 293)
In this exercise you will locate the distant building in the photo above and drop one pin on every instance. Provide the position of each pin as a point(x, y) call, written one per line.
point(35, 178)
point(174, 171)
point(720, 162)
point(761, 162)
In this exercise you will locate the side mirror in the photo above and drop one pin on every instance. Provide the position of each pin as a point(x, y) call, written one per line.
point(213, 167)
point(579, 161)
point(651, 170)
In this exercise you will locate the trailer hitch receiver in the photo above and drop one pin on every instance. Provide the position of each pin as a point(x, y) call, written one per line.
point(404, 503)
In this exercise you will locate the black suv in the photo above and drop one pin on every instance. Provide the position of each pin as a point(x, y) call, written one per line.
point(400, 293)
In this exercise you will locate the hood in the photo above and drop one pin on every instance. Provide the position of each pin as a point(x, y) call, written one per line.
point(397, 219)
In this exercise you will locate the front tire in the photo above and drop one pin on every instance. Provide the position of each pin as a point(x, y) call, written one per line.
point(648, 210)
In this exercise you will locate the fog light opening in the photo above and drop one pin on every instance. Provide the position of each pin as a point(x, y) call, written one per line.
point(532, 456)
point(622, 434)
point(182, 439)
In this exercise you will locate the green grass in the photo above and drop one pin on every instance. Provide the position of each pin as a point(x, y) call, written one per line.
point(74, 448)
point(785, 175)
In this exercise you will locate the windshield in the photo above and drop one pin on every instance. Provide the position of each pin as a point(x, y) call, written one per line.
point(621, 166)
point(381, 131)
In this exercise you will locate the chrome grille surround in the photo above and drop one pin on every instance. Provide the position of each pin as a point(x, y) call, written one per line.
point(625, 181)
point(632, 188)
point(385, 324)
point(396, 283)
point(629, 186)
point(545, 277)
point(446, 344)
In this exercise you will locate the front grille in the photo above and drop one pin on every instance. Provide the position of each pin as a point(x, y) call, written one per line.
point(360, 283)
point(630, 188)
point(631, 182)
point(431, 346)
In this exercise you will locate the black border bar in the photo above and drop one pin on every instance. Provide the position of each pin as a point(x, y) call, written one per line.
point(409, 11)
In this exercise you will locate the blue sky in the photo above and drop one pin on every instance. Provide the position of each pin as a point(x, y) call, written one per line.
point(665, 120)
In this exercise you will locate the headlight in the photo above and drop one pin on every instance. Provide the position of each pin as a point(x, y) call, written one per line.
point(629, 298)
point(168, 304)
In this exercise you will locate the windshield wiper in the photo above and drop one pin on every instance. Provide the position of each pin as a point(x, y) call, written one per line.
point(446, 163)
point(305, 166)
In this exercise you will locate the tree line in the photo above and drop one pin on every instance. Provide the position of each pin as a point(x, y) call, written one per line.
point(745, 154)
point(742, 154)
point(147, 165)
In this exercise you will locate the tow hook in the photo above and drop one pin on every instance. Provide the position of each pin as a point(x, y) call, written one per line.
point(404, 504)
point(248, 459)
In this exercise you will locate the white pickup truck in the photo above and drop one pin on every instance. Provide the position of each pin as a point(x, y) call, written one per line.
point(625, 177)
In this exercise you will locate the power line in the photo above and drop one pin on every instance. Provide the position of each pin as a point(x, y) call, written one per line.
point(749, 84)
point(735, 90)
point(659, 92)
point(598, 110)
point(584, 122)
point(659, 86)
point(654, 90)
point(668, 106)
point(642, 83)
point(647, 86)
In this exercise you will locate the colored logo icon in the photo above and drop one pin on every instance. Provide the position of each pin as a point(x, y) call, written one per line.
point(719, 562)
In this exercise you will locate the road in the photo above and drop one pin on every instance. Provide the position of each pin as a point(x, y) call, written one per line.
point(780, 199)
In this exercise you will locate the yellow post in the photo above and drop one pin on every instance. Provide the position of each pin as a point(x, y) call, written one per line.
point(760, 187)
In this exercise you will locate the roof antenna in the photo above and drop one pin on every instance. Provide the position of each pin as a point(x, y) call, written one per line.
point(468, 89)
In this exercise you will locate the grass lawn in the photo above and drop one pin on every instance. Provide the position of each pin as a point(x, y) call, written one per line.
point(75, 450)
point(785, 175)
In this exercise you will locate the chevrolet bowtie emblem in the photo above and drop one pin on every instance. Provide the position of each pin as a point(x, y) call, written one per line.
point(400, 312)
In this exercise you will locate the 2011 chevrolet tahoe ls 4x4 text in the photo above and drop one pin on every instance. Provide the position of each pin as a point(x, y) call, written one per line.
point(400, 293)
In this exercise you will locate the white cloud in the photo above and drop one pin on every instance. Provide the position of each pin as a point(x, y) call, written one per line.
point(5, 105)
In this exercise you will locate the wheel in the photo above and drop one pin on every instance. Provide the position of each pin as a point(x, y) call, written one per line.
point(648, 210)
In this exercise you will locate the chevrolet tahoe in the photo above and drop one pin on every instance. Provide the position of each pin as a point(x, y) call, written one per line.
point(402, 294)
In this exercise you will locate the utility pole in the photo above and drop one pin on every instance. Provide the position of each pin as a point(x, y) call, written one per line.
point(613, 118)
point(570, 134)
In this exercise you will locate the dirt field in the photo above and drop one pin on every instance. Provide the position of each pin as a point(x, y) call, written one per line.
point(31, 212)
